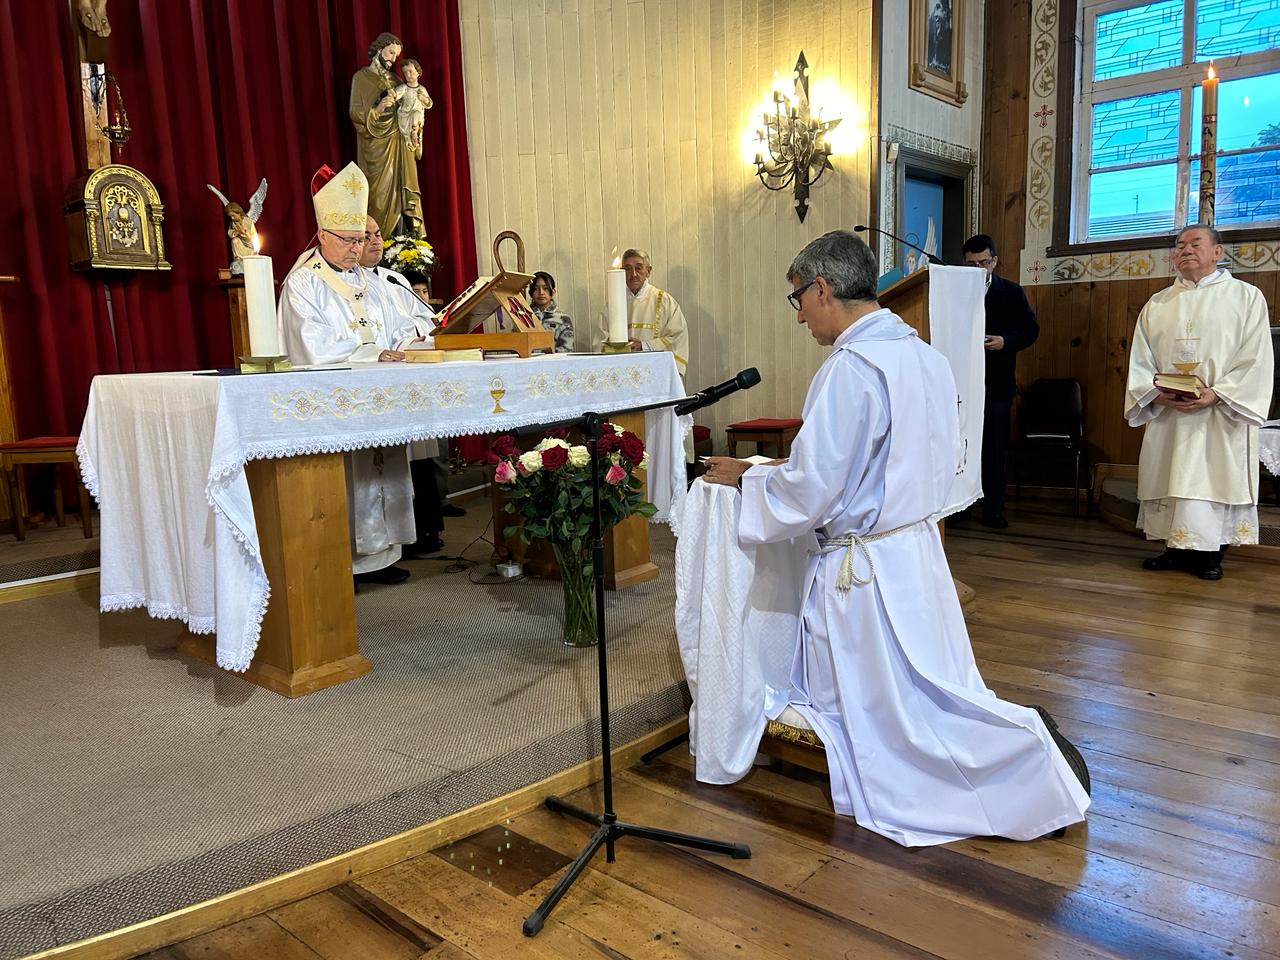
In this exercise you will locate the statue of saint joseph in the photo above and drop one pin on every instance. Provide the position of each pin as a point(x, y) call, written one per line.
point(382, 151)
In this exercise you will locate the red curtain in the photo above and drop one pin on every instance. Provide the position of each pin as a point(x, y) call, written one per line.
point(217, 91)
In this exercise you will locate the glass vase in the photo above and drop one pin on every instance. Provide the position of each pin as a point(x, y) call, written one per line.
point(578, 580)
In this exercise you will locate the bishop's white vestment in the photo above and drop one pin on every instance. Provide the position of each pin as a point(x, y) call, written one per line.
point(331, 316)
point(1198, 470)
point(656, 320)
point(919, 749)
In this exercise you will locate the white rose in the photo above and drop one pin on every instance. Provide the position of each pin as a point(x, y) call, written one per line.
point(644, 461)
point(579, 456)
point(531, 462)
point(551, 442)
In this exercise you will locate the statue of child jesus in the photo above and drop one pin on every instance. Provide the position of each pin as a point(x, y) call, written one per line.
point(413, 101)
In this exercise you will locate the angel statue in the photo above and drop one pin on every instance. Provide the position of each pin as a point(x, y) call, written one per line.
point(240, 225)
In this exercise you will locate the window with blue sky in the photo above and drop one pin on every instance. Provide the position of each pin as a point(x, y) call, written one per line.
point(1139, 121)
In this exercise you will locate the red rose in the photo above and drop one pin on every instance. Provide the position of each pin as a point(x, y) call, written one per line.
point(504, 445)
point(558, 433)
point(632, 447)
point(554, 457)
point(608, 441)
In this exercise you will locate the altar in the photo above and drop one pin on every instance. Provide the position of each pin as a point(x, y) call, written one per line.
point(223, 498)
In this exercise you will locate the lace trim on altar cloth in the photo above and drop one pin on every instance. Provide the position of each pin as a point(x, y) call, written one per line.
point(1269, 447)
point(156, 610)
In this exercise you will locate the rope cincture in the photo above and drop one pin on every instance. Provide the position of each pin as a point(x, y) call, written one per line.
point(847, 576)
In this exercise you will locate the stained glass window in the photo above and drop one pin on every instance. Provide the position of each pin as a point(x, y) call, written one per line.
point(1140, 120)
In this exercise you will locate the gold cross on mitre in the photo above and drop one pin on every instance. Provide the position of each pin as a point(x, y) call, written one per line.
point(352, 183)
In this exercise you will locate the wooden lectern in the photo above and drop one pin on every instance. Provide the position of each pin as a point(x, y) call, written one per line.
point(909, 299)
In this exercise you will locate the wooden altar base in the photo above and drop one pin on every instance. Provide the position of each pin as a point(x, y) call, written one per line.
point(308, 639)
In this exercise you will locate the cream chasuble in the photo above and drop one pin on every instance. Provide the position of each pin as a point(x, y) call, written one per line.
point(656, 320)
point(1198, 470)
point(327, 316)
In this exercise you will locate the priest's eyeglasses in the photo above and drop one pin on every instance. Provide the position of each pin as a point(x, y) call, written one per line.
point(795, 296)
point(348, 241)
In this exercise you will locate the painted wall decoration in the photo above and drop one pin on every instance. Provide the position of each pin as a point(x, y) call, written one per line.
point(1042, 143)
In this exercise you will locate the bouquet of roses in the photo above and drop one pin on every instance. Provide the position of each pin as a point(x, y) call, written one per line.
point(405, 254)
point(550, 485)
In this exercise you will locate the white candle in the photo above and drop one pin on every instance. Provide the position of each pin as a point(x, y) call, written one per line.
point(260, 304)
point(615, 284)
point(1208, 147)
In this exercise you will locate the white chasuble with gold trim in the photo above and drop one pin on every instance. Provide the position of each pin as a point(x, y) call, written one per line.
point(327, 316)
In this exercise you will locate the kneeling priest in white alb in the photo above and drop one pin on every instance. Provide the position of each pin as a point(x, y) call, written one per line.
point(919, 749)
point(328, 315)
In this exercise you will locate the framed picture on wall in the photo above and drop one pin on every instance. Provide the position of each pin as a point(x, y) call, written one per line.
point(937, 49)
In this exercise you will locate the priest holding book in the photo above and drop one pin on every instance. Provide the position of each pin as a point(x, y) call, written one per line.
point(1200, 380)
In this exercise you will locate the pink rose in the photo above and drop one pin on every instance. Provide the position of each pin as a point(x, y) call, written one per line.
point(505, 473)
point(615, 474)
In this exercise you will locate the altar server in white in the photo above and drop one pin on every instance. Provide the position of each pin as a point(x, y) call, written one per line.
point(327, 315)
point(920, 750)
point(654, 318)
point(1198, 471)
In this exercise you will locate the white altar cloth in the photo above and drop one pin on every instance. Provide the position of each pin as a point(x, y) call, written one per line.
point(164, 456)
point(737, 623)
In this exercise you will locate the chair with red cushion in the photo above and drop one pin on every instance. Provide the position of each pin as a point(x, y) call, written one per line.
point(41, 450)
point(779, 433)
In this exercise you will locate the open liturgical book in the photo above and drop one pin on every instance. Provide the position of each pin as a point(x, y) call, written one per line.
point(1186, 385)
point(495, 304)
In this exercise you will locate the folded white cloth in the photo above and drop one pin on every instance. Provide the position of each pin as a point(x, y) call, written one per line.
point(737, 622)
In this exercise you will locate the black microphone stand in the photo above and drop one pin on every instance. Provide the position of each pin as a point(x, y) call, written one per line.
point(608, 827)
point(931, 257)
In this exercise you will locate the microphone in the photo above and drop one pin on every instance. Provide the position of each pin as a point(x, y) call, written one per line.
point(745, 380)
point(863, 228)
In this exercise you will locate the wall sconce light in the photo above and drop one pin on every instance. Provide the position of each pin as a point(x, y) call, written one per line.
point(798, 153)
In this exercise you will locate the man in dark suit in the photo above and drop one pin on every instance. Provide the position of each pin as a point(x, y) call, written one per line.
point(1011, 326)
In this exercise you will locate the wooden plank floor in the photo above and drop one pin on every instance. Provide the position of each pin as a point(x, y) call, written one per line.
point(1171, 687)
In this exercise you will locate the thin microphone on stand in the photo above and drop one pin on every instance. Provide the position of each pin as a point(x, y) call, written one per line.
point(863, 228)
point(403, 284)
point(745, 380)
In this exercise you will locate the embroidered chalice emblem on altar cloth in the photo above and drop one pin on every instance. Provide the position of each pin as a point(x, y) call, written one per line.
point(497, 390)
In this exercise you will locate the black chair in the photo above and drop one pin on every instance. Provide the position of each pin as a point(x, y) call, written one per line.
point(1051, 418)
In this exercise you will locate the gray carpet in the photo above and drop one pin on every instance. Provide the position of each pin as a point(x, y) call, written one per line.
point(137, 781)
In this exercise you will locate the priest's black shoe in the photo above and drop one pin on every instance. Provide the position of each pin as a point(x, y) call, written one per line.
point(1075, 760)
point(1210, 573)
point(449, 510)
point(994, 520)
point(387, 575)
point(1169, 560)
point(426, 547)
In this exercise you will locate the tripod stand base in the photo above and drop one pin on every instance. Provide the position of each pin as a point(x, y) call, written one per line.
point(608, 830)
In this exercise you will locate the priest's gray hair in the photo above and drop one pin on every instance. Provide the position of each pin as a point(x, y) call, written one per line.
point(1213, 233)
point(630, 252)
point(841, 259)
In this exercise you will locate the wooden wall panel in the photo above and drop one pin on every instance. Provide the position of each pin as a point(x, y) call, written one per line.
point(1085, 328)
point(606, 123)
